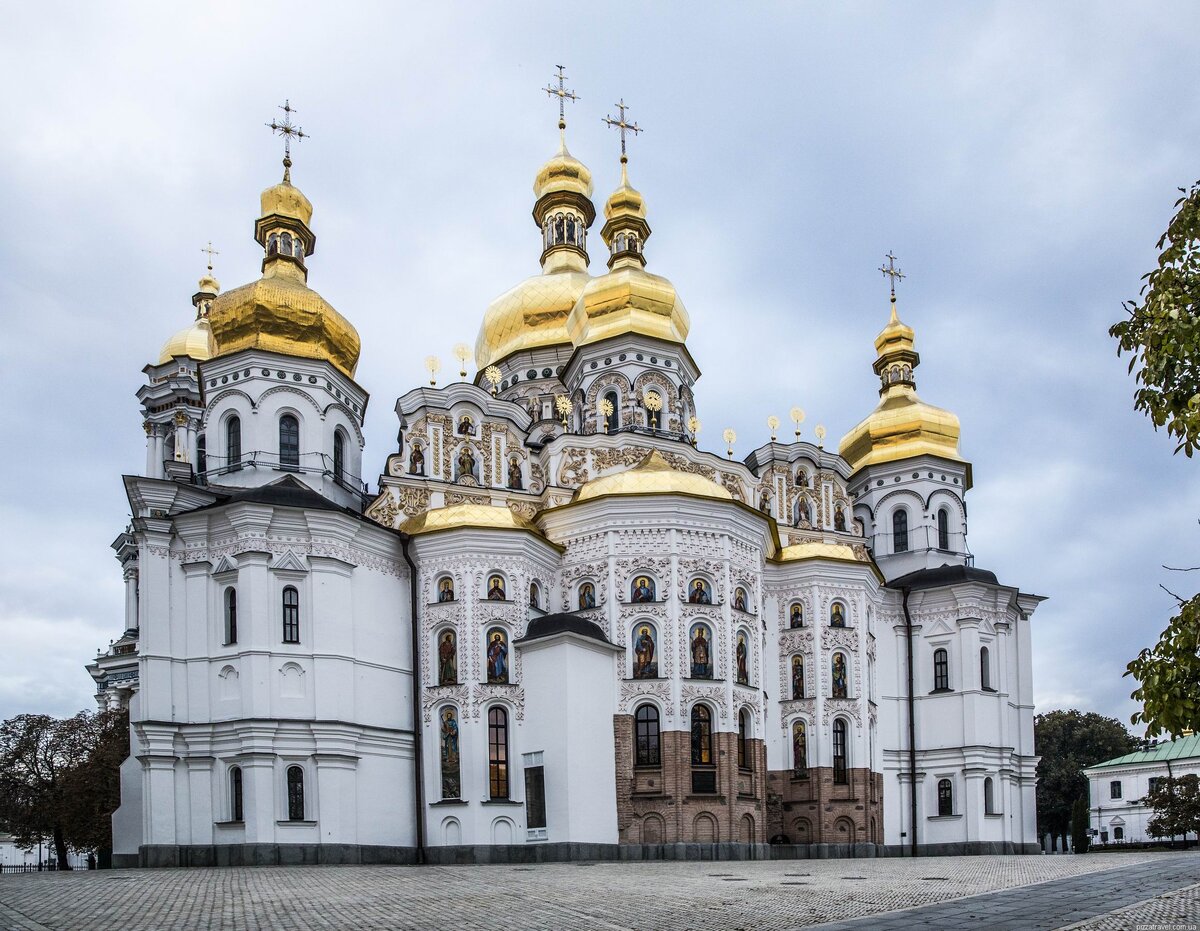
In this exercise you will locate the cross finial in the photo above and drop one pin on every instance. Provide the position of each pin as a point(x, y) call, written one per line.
point(211, 252)
point(622, 126)
point(289, 132)
point(892, 272)
point(562, 94)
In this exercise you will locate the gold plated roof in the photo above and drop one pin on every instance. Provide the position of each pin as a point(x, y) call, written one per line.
point(280, 313)
point(628, 300)
point(532, 314)
point(901, 426)
point(626, 200)
point(195, 341)
point(815, 549)
point(477, 516)
point(653, 476)
point(563, 173)
point(286, 200)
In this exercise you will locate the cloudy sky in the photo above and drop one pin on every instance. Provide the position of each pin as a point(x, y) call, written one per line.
point(1020, 158)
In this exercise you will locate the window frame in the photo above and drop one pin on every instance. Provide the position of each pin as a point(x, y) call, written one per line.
point(745, 760)
point(237, 809)
point(985, 669)
point(945, 798)
point(233, 443)
point(989, 796)
point(941, 670)
point(647, 736)
point(900, 539)
point(702, 743)
point(289, 451)
point(291, 614)
point(943, 529)
point(339, 455)
point(296, 803)
point(841, 752)
point(499, 787)
point(1115, 789)
point(230, 602)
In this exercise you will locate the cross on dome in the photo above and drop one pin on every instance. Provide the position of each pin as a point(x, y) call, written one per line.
point(289, 132)
point(892, 272)
point(562, 94)
point(622, 126)
point(211, 252)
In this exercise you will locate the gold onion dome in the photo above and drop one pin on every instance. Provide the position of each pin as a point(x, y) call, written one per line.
point(653, 476)
point(279, 312)
point(563, 173)
point(196, 340)
point(902, 425)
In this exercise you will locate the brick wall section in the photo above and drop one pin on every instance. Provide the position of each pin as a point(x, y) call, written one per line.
point(646, 794)
point(815, 811)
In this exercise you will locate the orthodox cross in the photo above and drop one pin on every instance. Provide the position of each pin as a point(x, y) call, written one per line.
point(622, 126)
point(892, 272)
point(211, 252)
point(562, 94)
point(289, 132)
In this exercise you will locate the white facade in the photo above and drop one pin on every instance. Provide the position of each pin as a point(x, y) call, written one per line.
point(1116, 788)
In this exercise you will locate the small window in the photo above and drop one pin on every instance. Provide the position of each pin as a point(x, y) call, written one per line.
point(646, 734)
point(233, 443)
point(295, 793)
point(899, 531)
point(985, 669)
point(943, 529)
point(612, 421)
point(945, 792)
point(498, 753)
point(291, 615)
point(339, 456)
point(702, 754)
point(289, 442)
point(230, 617)
point(744, 756)
point(941, 671)
point(235, 793)
point(841, 768)
point(1118, 833)
point(535, 797)
point(285, 243)
point(1114, 789)
point(989, 797)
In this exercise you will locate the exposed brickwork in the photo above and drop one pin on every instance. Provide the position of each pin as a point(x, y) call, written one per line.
point(816, 811)
point(657, 805)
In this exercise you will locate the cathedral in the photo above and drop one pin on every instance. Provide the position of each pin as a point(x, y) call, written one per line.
point(555, 627)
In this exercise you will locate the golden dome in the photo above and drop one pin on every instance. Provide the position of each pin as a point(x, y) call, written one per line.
point(563, 173)
point(195, 341)
point(208, 285)
point(653, 476)
point(285, 200)
point(628, 299)
point(475, 516)
point(625, 201)
point(280, 313)
point(532, 314)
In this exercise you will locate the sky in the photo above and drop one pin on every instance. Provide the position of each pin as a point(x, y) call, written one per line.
point(1021, 159)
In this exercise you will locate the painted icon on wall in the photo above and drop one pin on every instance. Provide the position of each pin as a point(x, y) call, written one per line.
point(742, 656)
point(643, 589)
point(797, 676)
point(837, 615)
point(451, 784)
point(799, 749)
point(701, 651)
point(495, 591)
point(587, 596)
point(497, 656)
point(699, 593)
point(645, 650)
point(447, 659)
point(446, 589)
point(739, 599)
point(796, 615)
point(840, 687)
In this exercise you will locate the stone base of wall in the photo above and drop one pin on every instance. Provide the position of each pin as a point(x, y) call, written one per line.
point(165, 855)
point(979, 848)
point(556, 853)
point(816, 812)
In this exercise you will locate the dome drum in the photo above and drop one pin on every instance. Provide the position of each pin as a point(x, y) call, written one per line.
point(277, 223)
point(553, 200)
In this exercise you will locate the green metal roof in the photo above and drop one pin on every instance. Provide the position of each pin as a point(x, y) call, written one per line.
point(1181, 749)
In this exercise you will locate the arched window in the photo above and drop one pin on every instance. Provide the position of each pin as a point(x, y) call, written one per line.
point(498, 753)
point(899, 531)
point(233, 443)
point(291, 615)
point(339, 456)
point(941, 671)
point(235, 793)
point(646, 725)
point(989, 799)
point(744, 757)
point(943, 525)
point(702, 754)
point(295, 793)
point(285, 243)
point(1118, 833)
point(985, 669)
point(613, 420)
point(841, 676)
point(231, 618)
point(273, 244)
point(298, 248)
point(840, 764)
point(289, 442)
point(945, 798)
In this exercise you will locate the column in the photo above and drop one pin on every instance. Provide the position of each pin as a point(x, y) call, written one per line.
point(130, 575)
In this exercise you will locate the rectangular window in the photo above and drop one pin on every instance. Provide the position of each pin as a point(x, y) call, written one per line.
point(498, 753)
point(704, 781)
point(840, 774)
point(1154, 781)
point(941, 671)
point(1114, 789)
point(291, 615)
point(535, 797)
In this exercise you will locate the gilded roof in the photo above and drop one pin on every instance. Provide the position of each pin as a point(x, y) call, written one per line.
point(532, 314)
point(901, 426)
point(653, 476)
point(816, 549)
point(628, 299)
point(195, 341)
point(563, 172)
point(477, 516)
point(286, 200)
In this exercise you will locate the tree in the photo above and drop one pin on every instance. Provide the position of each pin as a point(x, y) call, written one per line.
point(1068, 742)
point(1162, 332)
point(57, 778)
point(1079, 824)
point(1176, 804)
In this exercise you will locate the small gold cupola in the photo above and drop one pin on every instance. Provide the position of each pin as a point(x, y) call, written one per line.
point(196, 341)
point(563, 210)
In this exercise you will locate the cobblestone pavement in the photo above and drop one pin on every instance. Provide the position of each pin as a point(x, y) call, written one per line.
point(690, 896)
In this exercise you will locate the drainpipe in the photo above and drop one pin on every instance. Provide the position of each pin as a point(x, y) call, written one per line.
point(416, 700)
point(912, 731)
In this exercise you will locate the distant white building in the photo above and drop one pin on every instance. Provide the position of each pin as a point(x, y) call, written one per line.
point(1117, 787)
point(11, 855)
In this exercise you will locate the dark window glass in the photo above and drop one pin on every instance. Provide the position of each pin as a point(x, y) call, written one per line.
point(291, 615)
point(233, 443)
point(989, 800)
point(1118, 833)
point(614, 418)
point(339, 456)
point(840, 771)
point(945, 798)
point(646, 724)
point(289, 442)
point(201, 455)
point(744, 740)
point(231, 616)
point(943, 525)
point(701, 736)
point(941, 671)
point(295, 793)
point(900, 531)
point(985, 668)
point(235, 794)
point(498, 753)
point(1114, 789)
point(535, 797)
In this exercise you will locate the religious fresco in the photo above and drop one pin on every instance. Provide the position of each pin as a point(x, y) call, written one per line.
point(642, 589)
point(739, 599)
point(799, 749)
point(451, 783)
point(495, 589)
point(839, 520)
point(837, 615)
point(699, 593)
point(466, 463)
point(587, 596)
point(803, 514)
point(797, 676)
point(700, 646)
point(445, 589)
point(497, 656)
point(466, 426)
point(796, 615)
point(535, 595)
point(645, 652)
point(841, 688)
point(514, 474)
point(742, 657)
point(416, 460)
point(447, 654)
